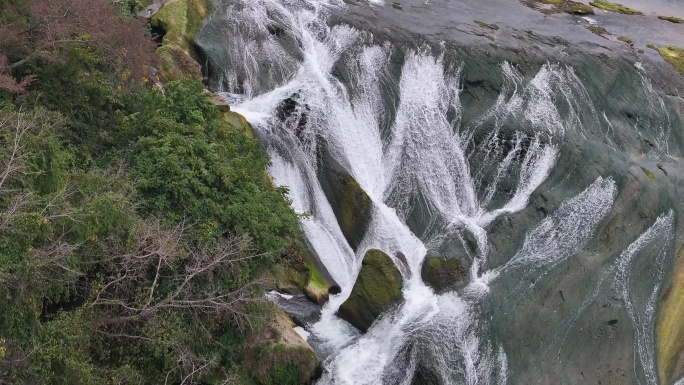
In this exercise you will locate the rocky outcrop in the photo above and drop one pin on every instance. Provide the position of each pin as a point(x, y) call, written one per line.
point(350, 203)
point(377, 289)
point(279, 355)
point(442, 274)
point(180, 20)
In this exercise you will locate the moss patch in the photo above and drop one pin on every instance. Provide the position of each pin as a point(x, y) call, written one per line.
point(377, 289)
point(626, 39)
point(559, 6)
point(442, 274)
point(671, 19)
point(180, 19)
point(648, 173)
point(613, 7)
point(670, 328)
point(673, 55)
point(176, 64)
point(598, 30)
point(576, 8)
point(484, 25)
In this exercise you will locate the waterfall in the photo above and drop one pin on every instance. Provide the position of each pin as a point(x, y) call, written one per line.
point(399, 131)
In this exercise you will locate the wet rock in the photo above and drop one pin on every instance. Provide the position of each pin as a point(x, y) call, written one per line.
point(442, 274)
point(377, 289)
point(302, 311)
point(278, 352)
point(350, 203)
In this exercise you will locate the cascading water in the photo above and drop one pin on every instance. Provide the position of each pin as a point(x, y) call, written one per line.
point(399, 131)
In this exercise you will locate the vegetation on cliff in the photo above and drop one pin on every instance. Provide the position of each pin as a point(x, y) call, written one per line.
point(136, 223)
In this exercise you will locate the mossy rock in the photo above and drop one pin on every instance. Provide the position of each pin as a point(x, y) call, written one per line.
point(671, 19)
point(612, 7)
point(598, 30)
point(181, 19)
point(575, 8)
point(442, 274)
point(484, 25)
point(176, 64)
point(350, 203)
point(559, 6)
point(279, 356)
point(674, 56)
point(626, 39)
point(301, 275)
point(377, 289)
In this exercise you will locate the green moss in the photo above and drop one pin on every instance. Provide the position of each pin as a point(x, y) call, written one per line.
point(648, 173)
point(626, 39)
point(560, 6)
point(673, 55)
point(651, 46)
point(484, 25)
point(442, 274)
point(598, 30)
point(613, 7)
point(576, 8)
point(377, 288)
point(181, 19)
point(671, 19)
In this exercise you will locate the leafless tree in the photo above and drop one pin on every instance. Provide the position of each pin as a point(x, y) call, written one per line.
point(58, 23)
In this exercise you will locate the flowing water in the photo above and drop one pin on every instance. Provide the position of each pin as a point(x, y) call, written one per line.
point(393, 118)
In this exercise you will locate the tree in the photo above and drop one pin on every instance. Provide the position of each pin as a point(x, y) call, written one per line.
point(84, 278)
point(42, 28)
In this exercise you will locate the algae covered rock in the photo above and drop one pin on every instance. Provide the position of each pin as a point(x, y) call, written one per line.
point(180, 20)
point(377, 289)
point(612, 7)
point(442, 274)
point(350, 203)
point(279, 355)
point(673, 55)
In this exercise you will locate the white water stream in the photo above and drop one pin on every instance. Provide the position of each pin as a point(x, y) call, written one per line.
point(417, 148)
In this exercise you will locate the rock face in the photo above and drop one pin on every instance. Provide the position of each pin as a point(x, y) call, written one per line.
point(279, 355)
point(670, 329)
point(377, 288)
point(180, 19)
point(442, 274)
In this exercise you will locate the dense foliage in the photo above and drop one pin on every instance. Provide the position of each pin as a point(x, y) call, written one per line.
point(135, 223)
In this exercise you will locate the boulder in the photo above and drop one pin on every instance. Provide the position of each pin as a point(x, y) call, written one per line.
point(179, 20)
point(350, 203)
point(442, 274)
point(279, 355)
point(377, 289)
